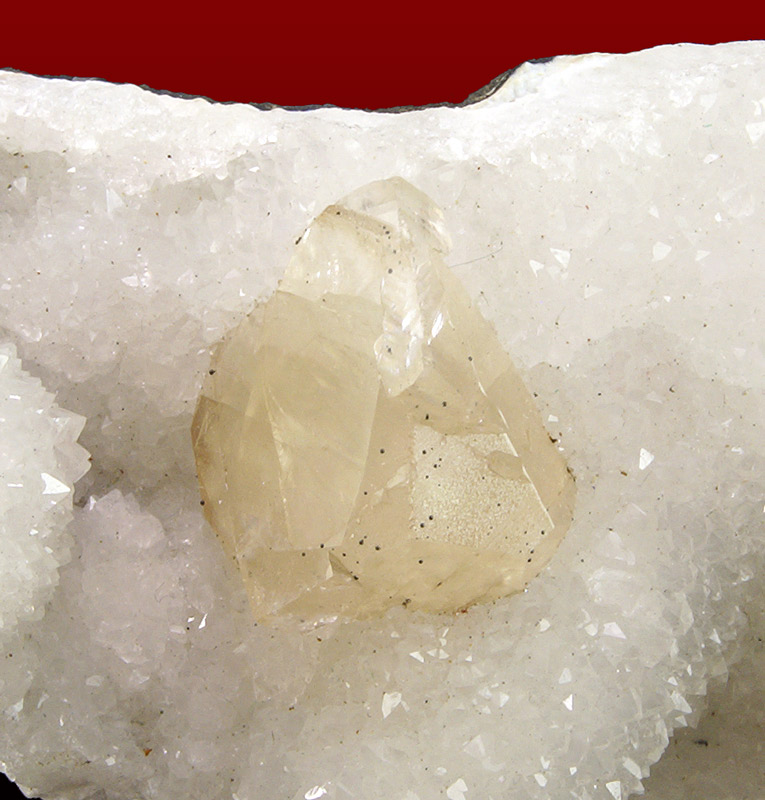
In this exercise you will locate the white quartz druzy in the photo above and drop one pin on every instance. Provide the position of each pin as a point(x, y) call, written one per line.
point(606, 218)
point(39, 462)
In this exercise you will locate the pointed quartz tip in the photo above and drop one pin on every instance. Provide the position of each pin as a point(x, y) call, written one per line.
point(367, 442)
point(397, 203)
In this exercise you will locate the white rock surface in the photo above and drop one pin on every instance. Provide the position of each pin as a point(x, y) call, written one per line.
point(606, 213)
point(724, 757)
point(39, 464)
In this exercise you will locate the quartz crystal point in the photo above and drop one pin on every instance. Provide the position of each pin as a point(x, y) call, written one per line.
point(366, 442)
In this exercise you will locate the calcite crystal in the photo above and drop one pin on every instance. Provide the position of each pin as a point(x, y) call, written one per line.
point(368, 442)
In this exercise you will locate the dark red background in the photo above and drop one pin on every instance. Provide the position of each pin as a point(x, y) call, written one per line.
point(368, 54)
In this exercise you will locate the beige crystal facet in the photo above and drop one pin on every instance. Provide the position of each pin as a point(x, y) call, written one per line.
point(366, 442)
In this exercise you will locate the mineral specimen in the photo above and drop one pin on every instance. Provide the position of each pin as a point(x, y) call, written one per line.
point(606, 213)
point(369, 443)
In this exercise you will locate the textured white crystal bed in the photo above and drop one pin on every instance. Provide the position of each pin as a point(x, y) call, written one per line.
point(607, 215)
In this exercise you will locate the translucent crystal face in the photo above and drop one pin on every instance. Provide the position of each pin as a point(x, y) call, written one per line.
point(367, 442)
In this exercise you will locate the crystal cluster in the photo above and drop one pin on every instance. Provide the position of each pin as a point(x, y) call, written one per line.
point(40, 461)
point(368, 443)
point(606, 219)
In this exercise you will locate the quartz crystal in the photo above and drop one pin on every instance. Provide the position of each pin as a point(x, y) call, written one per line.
point(366, 441)
point(39, 462)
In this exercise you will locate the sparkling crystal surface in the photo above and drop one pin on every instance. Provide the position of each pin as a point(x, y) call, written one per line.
point(368, 443)
point(39, 462)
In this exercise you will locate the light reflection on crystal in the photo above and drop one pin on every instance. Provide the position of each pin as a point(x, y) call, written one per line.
point(612, 629)
point(390, 701)
point(632, 767)
point(646, 458)
point(615, 788)
point(457, 790)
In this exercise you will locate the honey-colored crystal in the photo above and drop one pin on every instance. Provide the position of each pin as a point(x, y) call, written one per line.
point(366, 442)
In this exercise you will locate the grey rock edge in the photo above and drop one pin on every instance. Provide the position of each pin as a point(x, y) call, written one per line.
point(474, 97)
